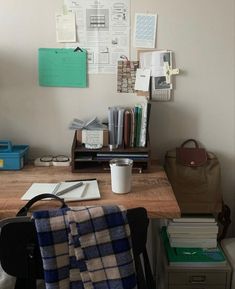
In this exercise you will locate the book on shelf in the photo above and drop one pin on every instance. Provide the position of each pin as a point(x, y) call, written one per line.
point(129, 125)
point(192, 229)
point(148, 117)
point(138, 124)
point(135, 121)
point(192, 257)
point(111, 124)
point(190, 235)
point(187, 234)
point(127, 128)
point(133, 128)
point(120, 126)
point(143, 127)
point(193, 224)
point(191, 218)
point(193, 243)
point(115, 119)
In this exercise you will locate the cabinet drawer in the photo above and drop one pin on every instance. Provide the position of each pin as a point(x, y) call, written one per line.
point(195, 278)
point(197, 287)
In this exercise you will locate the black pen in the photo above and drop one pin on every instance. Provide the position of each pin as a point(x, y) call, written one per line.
point(81, 180)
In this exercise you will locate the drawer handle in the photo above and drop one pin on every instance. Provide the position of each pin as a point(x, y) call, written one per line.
point(197, 279)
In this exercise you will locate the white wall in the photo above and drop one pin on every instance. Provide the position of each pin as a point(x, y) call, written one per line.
point(201, 33)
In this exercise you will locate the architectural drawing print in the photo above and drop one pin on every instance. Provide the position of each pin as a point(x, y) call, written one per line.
point(97, 19)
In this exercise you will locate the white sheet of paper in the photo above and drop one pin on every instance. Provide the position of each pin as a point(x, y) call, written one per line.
point(88, 191)
point(142, 79)
point(154, 60)
point(65, 27)
point(145, 30)
point(103, 29)
point(92, 136)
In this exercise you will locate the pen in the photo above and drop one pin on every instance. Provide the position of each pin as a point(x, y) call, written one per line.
point(84, 191)
point(80, 180)
point(69, 189)
point(56, 188)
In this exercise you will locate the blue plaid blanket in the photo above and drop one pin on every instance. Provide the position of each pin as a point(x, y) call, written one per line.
point(86, 247)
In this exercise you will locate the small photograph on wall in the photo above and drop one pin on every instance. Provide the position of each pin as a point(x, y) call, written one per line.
point(160, 83)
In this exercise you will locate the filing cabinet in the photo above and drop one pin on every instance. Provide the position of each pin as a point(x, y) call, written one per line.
point(183, 277)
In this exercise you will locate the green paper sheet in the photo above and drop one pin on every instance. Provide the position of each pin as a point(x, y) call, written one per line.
point(62, 67)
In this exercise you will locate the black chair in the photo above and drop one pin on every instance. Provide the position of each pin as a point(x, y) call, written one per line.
point(20, 253)
point(138, 222)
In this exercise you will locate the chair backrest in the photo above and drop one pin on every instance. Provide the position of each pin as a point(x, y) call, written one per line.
point(138, 222)
point(20, 253)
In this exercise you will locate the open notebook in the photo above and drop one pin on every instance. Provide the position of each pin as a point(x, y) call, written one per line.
point(88, 191)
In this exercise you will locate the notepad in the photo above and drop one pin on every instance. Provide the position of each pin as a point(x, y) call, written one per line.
point(89, 191)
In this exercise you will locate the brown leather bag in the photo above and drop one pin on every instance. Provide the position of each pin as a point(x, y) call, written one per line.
point(194, 175)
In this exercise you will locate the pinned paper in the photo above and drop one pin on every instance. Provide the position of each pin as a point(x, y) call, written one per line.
point(142, 79)
point(65, 27)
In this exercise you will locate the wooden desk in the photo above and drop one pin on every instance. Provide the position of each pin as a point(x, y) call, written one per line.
point(150, 190)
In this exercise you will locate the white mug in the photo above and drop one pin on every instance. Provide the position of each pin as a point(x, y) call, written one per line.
point(121, 175)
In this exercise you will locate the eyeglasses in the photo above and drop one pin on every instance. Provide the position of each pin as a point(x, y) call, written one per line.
point(59, 158)
point(49, 160)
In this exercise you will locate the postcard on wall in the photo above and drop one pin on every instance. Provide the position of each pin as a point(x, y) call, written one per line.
point(103, 29)
point(145, 30)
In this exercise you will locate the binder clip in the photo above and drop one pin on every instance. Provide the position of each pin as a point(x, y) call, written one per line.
point(169, 71)
point(127, 60)
point(77, 49)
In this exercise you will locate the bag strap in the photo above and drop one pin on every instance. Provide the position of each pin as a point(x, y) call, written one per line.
point(190, 140)
point(24, 210)
point(224, 218)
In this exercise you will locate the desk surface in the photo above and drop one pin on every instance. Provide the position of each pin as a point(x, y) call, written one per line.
point(150, 190)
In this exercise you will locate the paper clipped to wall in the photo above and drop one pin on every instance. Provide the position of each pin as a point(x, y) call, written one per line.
point(62, 67)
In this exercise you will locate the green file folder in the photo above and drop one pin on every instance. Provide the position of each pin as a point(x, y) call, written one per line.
point(62, 67)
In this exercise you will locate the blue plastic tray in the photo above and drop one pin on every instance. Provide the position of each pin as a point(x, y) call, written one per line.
point(12, 157)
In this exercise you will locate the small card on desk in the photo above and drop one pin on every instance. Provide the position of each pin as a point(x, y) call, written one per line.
point(88, 191)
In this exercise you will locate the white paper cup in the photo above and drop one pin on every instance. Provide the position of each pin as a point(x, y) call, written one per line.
point(121, 175)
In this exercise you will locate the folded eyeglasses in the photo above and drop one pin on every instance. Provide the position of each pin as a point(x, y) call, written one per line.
point(49, 160)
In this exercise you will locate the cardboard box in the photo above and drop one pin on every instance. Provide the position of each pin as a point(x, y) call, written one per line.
point(85, 136)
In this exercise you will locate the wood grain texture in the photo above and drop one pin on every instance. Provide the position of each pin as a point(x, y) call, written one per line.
point(151, 190)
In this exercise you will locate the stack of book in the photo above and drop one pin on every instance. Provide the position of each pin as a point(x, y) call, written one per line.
point(128, 127)
point(192, 257)
point(193, 232)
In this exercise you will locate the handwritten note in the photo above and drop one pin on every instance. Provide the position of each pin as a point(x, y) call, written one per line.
point(65, 27)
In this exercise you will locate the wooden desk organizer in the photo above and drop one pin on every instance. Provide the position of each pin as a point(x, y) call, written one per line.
point(97, 160)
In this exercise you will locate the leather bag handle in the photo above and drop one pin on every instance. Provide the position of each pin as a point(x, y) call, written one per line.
point(24, 210)
point(190, 140)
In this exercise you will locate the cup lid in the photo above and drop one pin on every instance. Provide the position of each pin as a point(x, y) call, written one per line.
point(121, 162)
